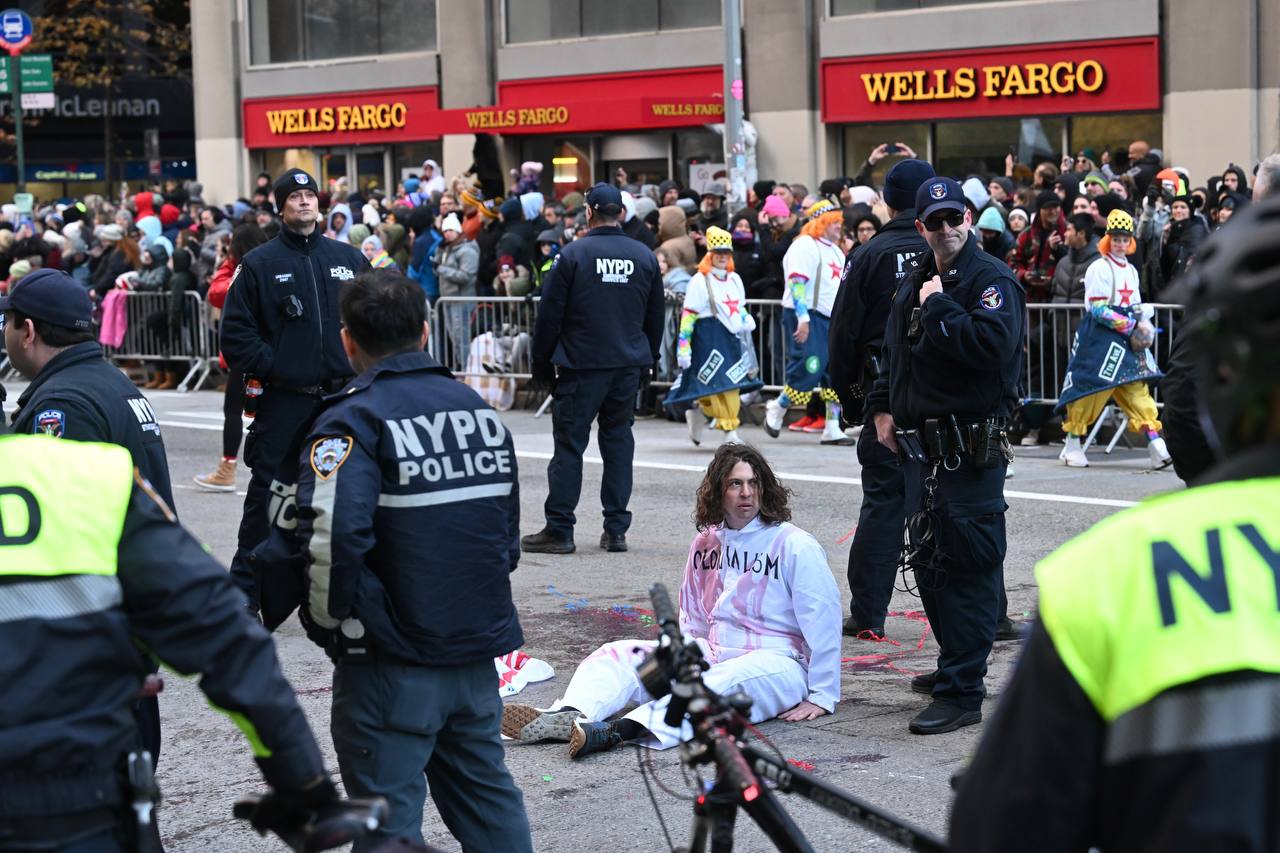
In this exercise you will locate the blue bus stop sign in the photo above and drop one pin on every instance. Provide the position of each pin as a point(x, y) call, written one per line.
point(15, 30)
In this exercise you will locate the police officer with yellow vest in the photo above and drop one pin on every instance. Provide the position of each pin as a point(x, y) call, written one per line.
point(93, 566)
point(1143, 715)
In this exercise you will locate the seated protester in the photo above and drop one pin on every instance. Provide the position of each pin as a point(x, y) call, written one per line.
point(757, 596)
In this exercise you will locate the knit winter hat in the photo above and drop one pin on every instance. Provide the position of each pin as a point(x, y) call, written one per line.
point(902, 182)
point(719, 240)
point(775, 206)
point(991, 220)
point(451, 223)
point(290, 182)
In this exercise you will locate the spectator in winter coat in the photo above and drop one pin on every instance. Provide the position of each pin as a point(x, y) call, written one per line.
point(674, 239)
point(425, 240)
point(457, 261)
point(1183, 234)
point(997, 241)
point(1039, 247)
point(746, 253)
point(1082, 250)
point(371, 247)
point(338, 225)
point(395, 238)
point(633, 225)
point(120, 255)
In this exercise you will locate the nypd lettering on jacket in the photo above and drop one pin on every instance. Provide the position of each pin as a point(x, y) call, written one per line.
point(445, 447)
point(615, 270)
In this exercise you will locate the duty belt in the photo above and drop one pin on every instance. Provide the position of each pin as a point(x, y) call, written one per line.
point(330, 386)
point(949, 441)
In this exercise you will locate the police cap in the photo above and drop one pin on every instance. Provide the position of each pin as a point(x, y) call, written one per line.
point(52, 296)
point(938, 194)
point(605, 198)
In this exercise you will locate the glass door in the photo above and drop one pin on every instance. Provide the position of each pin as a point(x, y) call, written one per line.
point(372, 170)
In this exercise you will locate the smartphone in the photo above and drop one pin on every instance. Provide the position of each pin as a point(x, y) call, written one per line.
point(891, 148)
point(1013, 149)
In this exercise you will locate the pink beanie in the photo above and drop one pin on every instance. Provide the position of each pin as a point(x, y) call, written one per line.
point(775, 206)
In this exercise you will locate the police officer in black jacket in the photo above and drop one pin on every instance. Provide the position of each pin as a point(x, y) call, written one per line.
point(598, 330)
point(75, 393)
point(95, 567)
point(947, 384)
point(408, 510)
point(280, 327)
point(871, 276)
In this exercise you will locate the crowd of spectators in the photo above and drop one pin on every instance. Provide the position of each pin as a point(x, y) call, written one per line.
point(455, 239)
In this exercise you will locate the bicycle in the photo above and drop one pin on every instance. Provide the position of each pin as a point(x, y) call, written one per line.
point(719, 737)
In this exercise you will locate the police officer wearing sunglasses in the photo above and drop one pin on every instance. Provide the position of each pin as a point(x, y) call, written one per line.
point(946, 387)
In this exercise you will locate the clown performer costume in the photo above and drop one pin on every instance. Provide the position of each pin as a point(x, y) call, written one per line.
point(758, 598)
point(812, 268)
point(1111, 357)
point(715, 334)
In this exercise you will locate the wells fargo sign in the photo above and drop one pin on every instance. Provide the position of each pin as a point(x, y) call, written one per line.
point(342, 118)
point(1108, 76)
point(516, 117)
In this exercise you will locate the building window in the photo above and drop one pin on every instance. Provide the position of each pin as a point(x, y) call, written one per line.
point(310, 30)
point(548, 20)
point(862, 7)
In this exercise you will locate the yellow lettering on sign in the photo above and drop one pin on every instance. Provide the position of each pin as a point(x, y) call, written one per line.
point(877, 87)
point(1014, 84)
point(344, 117)
point(1060, 78)
point(1093, 66)
point(992, 74)
point(965, 86)
point(275, 121)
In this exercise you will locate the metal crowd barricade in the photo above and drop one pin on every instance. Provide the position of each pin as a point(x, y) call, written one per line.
point(1051, 330)
point(483, 336)
point(150, 337)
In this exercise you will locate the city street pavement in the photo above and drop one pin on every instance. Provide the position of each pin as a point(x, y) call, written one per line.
point(570, 604)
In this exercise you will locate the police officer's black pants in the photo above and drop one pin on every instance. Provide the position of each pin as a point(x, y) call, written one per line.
point(963, 600)
point(873, 557)
point(398, 729)
point(280, 415)
point(580, 397)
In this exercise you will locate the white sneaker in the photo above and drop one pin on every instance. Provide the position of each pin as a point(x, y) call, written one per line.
point(731, 437)
point(1073, 453)
point(1160, 457)
point(773, 415)
point(1031, 439)
point(697, 423)
point(1008, 473)
point(832, 434)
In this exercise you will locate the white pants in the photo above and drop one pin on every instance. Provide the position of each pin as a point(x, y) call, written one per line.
point(606, 682)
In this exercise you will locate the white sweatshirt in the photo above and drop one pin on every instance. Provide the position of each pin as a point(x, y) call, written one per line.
point(820, 264)
point(766, 587)
point(726, 293)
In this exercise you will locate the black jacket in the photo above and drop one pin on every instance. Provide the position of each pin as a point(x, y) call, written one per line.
point(602, 305)
point(872, 274)
point(70, 677)
point(281, 322)
point(1188, 446)
point(409, 513)
point(81, 396)
point(967, 356)
point(637, 230)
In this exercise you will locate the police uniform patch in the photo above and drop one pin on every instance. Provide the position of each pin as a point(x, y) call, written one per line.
point(938, 191)
point(992, 299)
point(50, 422)
point(300, 178)
point(328, 454)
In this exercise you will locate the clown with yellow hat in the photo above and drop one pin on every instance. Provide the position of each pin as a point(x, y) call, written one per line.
point(813, 268)
point(714, 348)
point(1112, 357)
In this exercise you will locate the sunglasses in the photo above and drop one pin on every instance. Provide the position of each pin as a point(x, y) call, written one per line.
point(1081, 159)
point(954, 220)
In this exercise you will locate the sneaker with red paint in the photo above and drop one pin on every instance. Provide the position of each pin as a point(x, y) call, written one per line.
point(815, 425)
point(801, 425)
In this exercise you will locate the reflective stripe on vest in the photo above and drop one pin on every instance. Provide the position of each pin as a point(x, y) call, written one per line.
point(1183, 587)
point(62, 505)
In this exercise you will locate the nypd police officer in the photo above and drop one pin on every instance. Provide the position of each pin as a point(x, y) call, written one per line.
point(872, 274)
point(75, 393)
point(92, 566)
point(408, 511)
point(952, 351)
point(280, 328)
point(598, 329)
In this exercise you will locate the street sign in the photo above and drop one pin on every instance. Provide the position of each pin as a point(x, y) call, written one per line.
point(37, 72)
point(24, 202)
point(37, 100)
point(15, 30)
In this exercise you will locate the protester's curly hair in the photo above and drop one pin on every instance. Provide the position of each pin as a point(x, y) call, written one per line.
point(774, 497)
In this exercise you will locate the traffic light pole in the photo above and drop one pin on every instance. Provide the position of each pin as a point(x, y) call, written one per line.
point(15, 86)
point(734, 147)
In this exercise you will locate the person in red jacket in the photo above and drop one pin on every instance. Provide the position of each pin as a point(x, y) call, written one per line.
point(1039, 247)
point(223, 478)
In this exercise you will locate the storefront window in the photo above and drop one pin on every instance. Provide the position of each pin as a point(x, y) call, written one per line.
point(861, 139)
point(407, 159)
point(696, 147)
point(861, 7)
point(965, 148)
point(548, 20)
point(1115, 132)
point(301, 30)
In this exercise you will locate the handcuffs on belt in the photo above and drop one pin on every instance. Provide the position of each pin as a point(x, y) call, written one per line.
point(943, 442)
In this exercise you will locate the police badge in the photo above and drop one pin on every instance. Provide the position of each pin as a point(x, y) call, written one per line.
point(328, 454)
point(50, 422)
